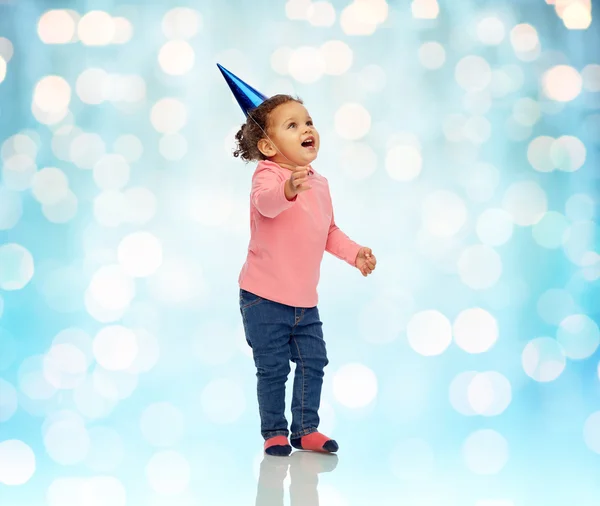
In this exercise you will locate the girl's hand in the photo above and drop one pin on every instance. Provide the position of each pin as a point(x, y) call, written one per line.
point(297, 183)
point(365, 261)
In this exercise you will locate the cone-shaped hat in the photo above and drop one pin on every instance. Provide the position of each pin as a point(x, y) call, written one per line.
point(246, 95)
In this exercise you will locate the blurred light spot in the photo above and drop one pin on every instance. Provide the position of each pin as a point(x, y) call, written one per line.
point(280, 60)
point(524, 40)
point(526, 111)
point(579, 207)
point(579, 336)
point(114, 385)
point(458, 393)
point(173, 146)
point(111, 172)
point(90, 85)
point(96, 491)
point(96, 28)
point(18, 172)
point(181, 23)
point(90, 402)
point(543, 359)
point(8, 401)
point(477, 102)
point(355, 385)
point(478, 129)
point(338, 57)
point(20, 144)
point(562, 83)
point(444, 213)
point(321, 14)
point(480, 181)
point(352, 121)
point(412, 459)
point(17, 462)
point(383, 319)
point(2, 69)
point(111, 208)
point(115, 347)
point(32, 381)
point(475, 330)
point(140, 205)
point(140, 254)
point(168, 473)
point(403, 163)
point(17, 266)
point(473, 73)
point(579, 239)
point(453, 127)
point(485, 452)
point(77, 338)
point(297, 9)
point(106, 450)
point(67, 442)
point(591, 77)
point(123, 31)
point(494, 227)
point(538, 153)
point(57, 26)
point(130, 147)
point(214, 343)
point(6, 49)
point(65, 366)
point(119, 88)
point(11, 208)
point(61, 141)
point(176, 57)
point(425, 9)
point(111, 287)
point(479, 267)
point(86, 149)
point(429, 333)
point(162, 424)
point(432, 55)
point(50, 185)
point(361, 18)
point(526, 202)
point(549, 232)
point(555, 304)
point(491, 31)
point(168, 115)
point(358, 160)
point(148, 351)
point(489, 393)
point(223, 401)
point(577, 16)
point(62, 211)
point(568, 153)
point(307, 64)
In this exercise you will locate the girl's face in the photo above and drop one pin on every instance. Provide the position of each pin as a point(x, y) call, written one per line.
point(291, 128)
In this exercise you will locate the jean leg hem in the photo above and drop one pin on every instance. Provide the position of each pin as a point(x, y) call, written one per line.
point(303, 432)
point(274, 433)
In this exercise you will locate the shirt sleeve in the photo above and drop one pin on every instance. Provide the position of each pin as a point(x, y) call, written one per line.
point(268, 193)
point(340, 245)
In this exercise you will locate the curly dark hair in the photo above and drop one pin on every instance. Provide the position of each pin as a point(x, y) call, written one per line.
point(252, 131)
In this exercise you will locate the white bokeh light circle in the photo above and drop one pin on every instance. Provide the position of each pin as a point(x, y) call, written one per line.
point(429, 333)
point(526, 202)
point(17, 462)
point(491, 30)
point(50, 185)
point(168, 115)
point(18, 267)
point(181, 23)
point(112, 288)
point(580, 207)
point(32, 381)
point(176, 57)
point(473, 73)
point(485, 452)
point(106, 450)
point(110, 208)
point(321, 13)
point(111, 172)
point(568, 153)
point(432, 55)
point(8, 401)
point(11, 208)
point(90, 403)
point(458, 393)
point(412, 459)
point(140, 254)
point(223, 400)
point(355, 385)
point(168, 473)
point(352, 121)
point(67, 442)
point(115, 347)
point(475, 330)
point(404, 163)
point(444, 213)
point(494, 227)
point(591, 432)
point(52, 94)
point(562, 83)
point(65, 366)
point(96, 491)
point(338, 57)
point(307, 64)
point(96, 28)
point(140, 205)
point(543, 359)
point(358, 160)
point(489, 393)
point(63, 211)
point(479, 267)
point(550, 231)
point(114, 385)
point(129, 146)
point(162, 424)
point(579, 336)
point(86, 149)
point(555, 304)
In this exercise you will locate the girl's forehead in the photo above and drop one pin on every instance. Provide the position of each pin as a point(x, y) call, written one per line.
point(291, 108)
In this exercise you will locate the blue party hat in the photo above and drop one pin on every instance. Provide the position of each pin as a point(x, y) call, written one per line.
point(246, 95)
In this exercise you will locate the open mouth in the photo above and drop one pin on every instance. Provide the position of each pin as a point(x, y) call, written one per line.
point(309, 143)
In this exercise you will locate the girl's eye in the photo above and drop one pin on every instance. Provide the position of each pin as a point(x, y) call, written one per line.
point(291, 125)
point(309, 123)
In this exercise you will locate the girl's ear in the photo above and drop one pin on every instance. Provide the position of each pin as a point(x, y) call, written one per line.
point(266, 147)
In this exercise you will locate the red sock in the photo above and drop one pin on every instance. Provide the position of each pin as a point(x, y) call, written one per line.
point(316, 442)
point(278, 445)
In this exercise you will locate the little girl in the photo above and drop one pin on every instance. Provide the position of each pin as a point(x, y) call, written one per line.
point(292, 225)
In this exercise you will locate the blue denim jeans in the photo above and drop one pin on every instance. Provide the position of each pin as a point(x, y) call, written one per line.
point(277, 335)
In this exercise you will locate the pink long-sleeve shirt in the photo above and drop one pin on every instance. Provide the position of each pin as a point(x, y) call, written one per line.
point(288, 238)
